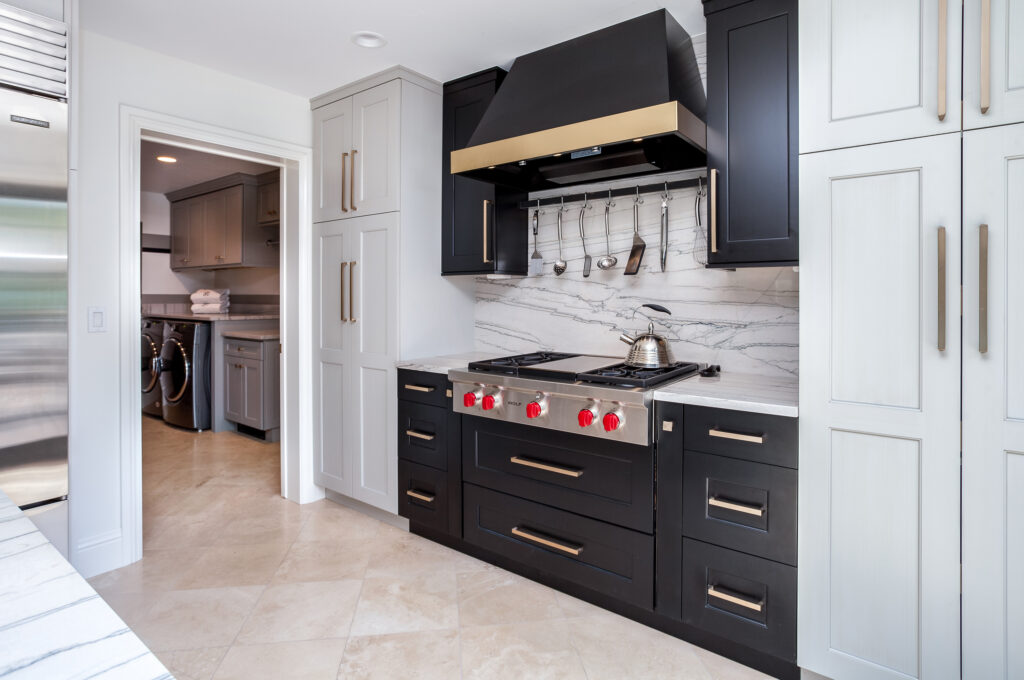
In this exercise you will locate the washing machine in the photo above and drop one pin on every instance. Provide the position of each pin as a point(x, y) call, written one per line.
point(152, 343)
point(185, 374)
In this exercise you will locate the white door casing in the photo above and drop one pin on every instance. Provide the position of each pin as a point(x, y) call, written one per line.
point(879, 412)
point(1002, 39)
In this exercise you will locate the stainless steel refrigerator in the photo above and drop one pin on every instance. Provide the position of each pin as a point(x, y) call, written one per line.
point(33, 269)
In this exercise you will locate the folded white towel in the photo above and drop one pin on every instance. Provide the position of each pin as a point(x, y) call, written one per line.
point(210, 308)
point(211, 295)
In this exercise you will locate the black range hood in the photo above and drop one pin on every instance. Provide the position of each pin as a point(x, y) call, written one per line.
point(620, 102)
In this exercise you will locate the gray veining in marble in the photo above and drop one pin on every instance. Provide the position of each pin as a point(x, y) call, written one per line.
point(53, 625)
point(772, 395)
point(746, 320)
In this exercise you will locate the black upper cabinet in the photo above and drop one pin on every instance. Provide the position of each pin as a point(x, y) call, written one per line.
point(752, 132)
point(485, 230)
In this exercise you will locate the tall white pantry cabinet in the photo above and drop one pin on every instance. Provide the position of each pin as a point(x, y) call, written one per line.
point(378, 293)
point(912, 339)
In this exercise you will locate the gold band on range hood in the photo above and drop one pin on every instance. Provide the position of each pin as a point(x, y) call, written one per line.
point(652, 121)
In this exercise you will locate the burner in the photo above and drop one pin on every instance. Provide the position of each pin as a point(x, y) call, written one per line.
point(511, 365)
point(622, 375)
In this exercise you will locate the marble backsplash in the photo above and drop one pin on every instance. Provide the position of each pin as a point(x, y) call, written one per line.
point(746, 320)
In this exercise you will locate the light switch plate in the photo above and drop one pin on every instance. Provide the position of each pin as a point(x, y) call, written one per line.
point(97, 319)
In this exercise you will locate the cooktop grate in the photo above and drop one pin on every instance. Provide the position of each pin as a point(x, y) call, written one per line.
point(622, 375)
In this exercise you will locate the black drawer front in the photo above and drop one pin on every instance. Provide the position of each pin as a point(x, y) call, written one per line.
point(609, 481)
point(602, 557)
point(746, 599)
point(423, 387)
point(740, 505)
point(423, 434)
point(739, 434)
point(423, 495)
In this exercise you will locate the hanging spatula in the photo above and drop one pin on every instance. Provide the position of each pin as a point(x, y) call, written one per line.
point(636, 253)
point(536, 266)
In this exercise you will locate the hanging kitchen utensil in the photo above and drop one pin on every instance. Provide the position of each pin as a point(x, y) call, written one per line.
point(536, 266)
point(560, 264)
point(665, 198)
point(636, 253)
point(583, 238)
point(609, 260)
point(700, 237)
point(648, 350)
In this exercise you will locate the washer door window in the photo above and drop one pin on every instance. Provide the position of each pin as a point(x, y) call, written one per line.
point(150, 363)
point(175, 370)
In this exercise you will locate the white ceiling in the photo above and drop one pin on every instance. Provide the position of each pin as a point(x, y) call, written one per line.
point(304, 46)
point(193, 167)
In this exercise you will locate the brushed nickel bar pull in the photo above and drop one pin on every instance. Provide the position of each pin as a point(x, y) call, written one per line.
point(425, 497)
point(986, 57)
point(344, 157)
point(755, 606)
point(568, 472)
point(713, 202)
point(352, 182)
point(942, 61)
point(420, 435)
point(756, 510)
point(516, 531)
point(351, 290)
point(983, 288)
point(724, 434)
point(448, 393)
point(942, 290)
point(487, 211)
point(344, 318)
point(419, 388)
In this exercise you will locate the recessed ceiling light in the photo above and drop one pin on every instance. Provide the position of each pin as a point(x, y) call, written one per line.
point(368, 39)
point(167, 159)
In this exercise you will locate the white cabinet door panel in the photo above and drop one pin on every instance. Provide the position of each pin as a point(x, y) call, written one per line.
point(333, 466)
point(1005, 75)
point(993, 388)
point(879, 412)
point(332, 146)
point(869, 71)
point(376, 119)
point(376, 464)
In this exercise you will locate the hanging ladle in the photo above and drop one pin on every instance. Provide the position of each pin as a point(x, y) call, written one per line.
point(609, 260)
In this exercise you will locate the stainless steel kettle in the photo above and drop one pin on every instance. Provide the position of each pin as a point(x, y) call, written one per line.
point(648, 350)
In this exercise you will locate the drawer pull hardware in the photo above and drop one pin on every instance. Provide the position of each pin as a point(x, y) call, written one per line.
point(724, 434)
point(516, 531)
point(756, 510)
point(420, 435)
point(425, 497)
point(448, 393)
point(755, 606)
point(713, 205)
point(568, 472)
point(487, 209)
point(419, 388)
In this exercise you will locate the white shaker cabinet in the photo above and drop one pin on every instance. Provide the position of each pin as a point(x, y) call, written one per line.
point(878, 70)
point(993, 403)
point(879, 492)
point(993, 62)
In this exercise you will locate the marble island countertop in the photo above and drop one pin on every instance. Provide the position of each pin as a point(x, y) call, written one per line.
point(53, 625)
point(776, 396)
point(442, 364)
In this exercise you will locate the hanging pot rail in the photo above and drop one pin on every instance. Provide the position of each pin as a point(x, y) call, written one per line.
point(660, 187)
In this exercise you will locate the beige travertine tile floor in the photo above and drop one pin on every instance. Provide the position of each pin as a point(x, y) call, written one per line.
point(237, 582)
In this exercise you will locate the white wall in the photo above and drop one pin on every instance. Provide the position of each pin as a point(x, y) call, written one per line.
point(256, 281)
point(112, 74)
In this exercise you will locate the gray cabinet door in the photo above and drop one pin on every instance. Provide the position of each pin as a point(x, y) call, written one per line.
point(268, 203)
point(234, 389)
point(195, 209)
point(179, 235)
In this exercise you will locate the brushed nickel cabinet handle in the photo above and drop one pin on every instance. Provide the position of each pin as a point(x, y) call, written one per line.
point(516, 531)
point(425, 497)
point(713, 202)
point(352, 182)
point(342, 292)
point(724, 434)
point(942, 289)
point(983, 288)
point(986, 57)
point(344, 157)
point(736, 506)
point(448, 393)
point(942, 61)
point(420, 435)
point(419, 388)
point(755, 606)
point(351, 291)
point(568, 472)
point(487, 211)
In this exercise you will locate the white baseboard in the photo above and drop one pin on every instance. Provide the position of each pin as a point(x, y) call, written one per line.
point(99, 554)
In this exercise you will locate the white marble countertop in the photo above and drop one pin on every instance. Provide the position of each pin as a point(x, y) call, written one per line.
point(257, 334)
point(443, 364)
point(241, 316)
point(737, 391)
point(53, 625)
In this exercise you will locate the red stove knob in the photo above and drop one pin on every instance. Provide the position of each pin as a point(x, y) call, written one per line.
point(533, 410)
point(489, 402)
point(611, 422)
point(469, 399)
point(585, 417)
